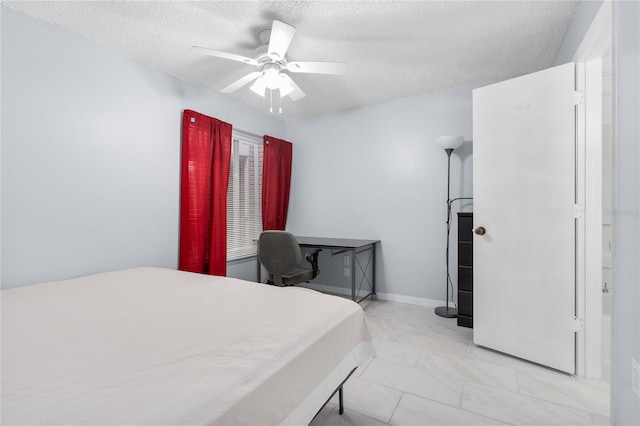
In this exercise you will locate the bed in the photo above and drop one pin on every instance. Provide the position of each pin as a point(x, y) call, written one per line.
point(151, 346)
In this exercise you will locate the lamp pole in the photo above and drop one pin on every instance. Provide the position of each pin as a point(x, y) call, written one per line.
point(446, 311)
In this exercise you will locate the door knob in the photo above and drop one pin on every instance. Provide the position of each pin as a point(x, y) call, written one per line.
point(480, 230)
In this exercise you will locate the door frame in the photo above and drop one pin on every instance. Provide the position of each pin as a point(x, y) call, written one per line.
point(596, 44)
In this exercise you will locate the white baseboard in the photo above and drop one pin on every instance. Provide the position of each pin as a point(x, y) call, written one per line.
point(390, 297)
point(411, 300)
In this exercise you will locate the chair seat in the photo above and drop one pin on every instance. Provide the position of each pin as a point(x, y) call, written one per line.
point(298, 276)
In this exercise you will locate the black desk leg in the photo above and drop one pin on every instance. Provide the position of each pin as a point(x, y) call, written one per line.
point(353, 255)
point(373, 273)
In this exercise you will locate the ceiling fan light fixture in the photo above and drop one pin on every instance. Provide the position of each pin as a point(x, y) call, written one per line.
point(285, 87)
point(259, 87)
point(271, 77)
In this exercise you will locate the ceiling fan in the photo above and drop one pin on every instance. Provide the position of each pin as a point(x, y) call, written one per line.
point(271, 62)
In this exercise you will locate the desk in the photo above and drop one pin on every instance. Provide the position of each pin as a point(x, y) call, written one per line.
point(353, 248)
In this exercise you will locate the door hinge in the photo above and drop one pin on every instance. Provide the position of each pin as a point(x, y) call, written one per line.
point(578, 97)
point(578, 211)
point(578, 325)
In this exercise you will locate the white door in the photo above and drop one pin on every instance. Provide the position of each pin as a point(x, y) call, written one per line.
point(524, 193)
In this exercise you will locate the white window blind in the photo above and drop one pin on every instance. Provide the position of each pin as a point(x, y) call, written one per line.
point(244, 207)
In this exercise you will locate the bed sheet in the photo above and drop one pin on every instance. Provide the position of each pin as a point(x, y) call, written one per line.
point(158, 346)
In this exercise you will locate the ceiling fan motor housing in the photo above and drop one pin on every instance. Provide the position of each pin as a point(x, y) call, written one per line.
point(263, 57)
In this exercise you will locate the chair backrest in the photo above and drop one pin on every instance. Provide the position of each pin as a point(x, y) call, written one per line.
point(279, 252)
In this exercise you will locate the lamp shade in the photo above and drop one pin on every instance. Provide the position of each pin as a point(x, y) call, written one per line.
point(449, 141)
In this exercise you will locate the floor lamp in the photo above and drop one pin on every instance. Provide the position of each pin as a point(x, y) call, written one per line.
point(448, 143)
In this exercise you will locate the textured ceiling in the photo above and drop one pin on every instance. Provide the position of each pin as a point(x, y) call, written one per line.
point(393, 48)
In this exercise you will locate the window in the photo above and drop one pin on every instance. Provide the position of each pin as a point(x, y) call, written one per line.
point(244, 207)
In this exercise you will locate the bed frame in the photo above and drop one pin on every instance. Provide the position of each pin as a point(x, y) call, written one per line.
point(340, 398)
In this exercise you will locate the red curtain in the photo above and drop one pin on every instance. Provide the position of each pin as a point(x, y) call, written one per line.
point(206, 159)
point(276, 182)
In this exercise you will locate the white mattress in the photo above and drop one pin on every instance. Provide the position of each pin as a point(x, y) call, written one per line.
point(156, 346)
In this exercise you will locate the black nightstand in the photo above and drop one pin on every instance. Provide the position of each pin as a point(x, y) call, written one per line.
point(465, 270)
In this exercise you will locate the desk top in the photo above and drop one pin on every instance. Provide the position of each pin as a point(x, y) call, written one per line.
point(334, 242)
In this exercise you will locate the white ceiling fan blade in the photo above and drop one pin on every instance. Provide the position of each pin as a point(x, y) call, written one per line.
point(281, 36)
point(241, 82)
point(296, 93)
point(334, 68)
point(259, 87)
point(224, 55)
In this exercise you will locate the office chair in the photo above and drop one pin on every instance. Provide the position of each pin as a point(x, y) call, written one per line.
point(280, 254)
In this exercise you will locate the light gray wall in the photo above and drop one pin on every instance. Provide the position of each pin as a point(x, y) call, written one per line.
point(244, 269)
point(626, 218)
point(91, 154)
point(586, 10)
point(376, 173)
point(1, 9)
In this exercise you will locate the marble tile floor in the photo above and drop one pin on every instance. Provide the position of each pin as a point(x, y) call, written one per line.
point(427, 371)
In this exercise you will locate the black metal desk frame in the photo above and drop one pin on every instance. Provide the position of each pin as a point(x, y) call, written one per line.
point(354, 247)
